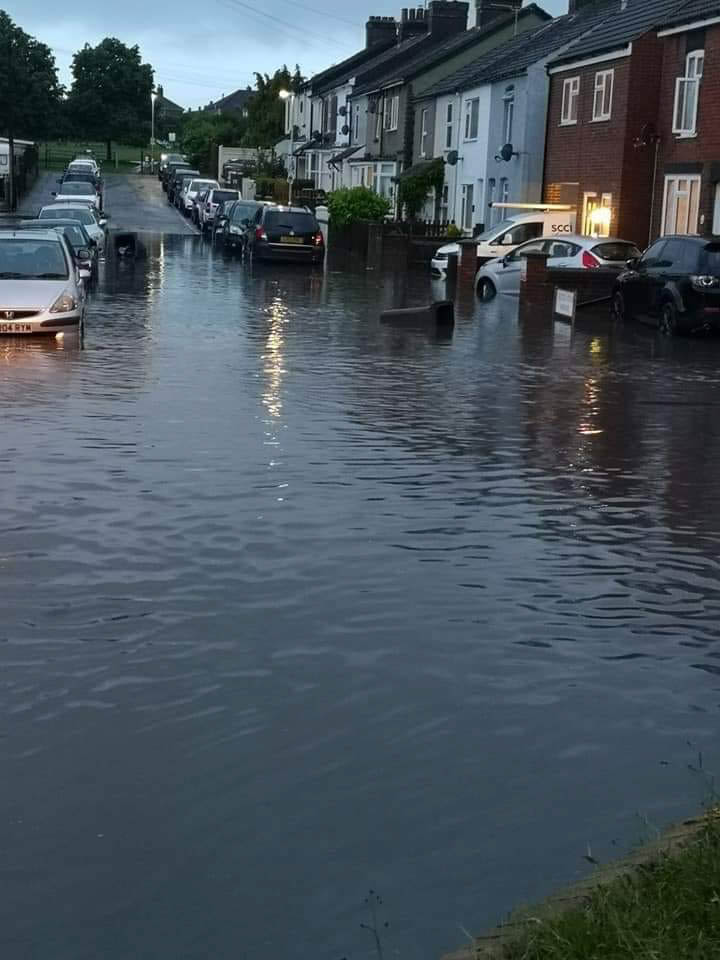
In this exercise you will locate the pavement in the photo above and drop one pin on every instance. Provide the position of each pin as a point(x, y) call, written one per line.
point(135, 203)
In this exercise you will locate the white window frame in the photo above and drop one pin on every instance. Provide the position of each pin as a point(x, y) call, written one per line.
point(716, 211)
point(508, 113)
point(444, 205)
point(603, 95)
point(379, 113)
point(570, 101)
point(504, 192)
point(449, 126)
point(466, 206)
point(424, 132)
point(472, 106)
point(587, 227)
point(672, 194)
point(685, 125)
point(356, 127)
point(392, 112)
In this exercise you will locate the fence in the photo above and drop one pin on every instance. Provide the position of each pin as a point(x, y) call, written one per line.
point(396, 244)
point(56, 156)
point(425, 229)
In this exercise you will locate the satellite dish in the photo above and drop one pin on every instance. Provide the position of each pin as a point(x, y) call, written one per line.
point(342, 111)
point(507, 153)
point(345, 130)
point(452, 158)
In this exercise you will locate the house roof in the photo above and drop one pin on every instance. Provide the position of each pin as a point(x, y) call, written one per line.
point(621, 28)
point(237, 100)
point(512, 59)
point(379, 61)
point(430, 51)
point(164, 101)
point(693, 11)
point(347, 68)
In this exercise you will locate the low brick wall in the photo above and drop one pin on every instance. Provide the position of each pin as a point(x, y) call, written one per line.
point(537, 290)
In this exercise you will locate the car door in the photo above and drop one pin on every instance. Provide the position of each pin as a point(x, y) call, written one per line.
point(513, 264)
point(637, 283)
point(663, 272)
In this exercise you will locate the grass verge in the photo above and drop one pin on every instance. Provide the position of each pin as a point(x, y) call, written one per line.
point(666, 909)
point(55, 154)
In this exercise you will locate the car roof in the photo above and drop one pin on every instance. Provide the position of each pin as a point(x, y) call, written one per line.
point(283, 208)
point(38, 234)
point(580, 238)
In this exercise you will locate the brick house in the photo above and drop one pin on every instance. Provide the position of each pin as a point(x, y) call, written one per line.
point(687, 193)
point(601, 144)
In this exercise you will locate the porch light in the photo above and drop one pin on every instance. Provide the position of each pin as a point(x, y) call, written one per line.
point(600, 218)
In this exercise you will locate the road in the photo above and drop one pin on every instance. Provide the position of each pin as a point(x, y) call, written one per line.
point(135, 203)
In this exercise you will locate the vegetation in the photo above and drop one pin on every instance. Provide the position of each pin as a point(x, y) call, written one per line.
point(350, 205)
point(203, 132)
point(265, 122)
point(666, 910)
point(110, 94)
point(454, 232)
point(415, 188)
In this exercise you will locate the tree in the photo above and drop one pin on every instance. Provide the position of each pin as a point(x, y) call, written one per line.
point(29, 90)
point(110, 94)
point(266, 111)
point(203, 131)
point(357, 203)
point(416, 185)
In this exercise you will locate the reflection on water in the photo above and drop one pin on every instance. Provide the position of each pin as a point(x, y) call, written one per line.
point(298, 605)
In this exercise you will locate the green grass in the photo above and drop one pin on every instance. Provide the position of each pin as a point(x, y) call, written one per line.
point(59, 152)
point(667, 910)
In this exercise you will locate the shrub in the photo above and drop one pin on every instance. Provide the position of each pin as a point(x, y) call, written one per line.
point(454, 232)
point(357, 203)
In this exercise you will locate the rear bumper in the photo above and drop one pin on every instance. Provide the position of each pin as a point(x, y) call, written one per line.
point(280, 252)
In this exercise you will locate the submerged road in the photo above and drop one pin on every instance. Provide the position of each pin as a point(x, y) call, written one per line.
point(296, 605)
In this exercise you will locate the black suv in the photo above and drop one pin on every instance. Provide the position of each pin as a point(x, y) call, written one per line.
point(286, 233)
point(674, 285)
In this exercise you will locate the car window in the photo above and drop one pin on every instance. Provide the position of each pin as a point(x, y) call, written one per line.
point(75, 189)
point(535, 246)
point(499, 230)
point(652, 255)
point(616, 251)
point(556, 249)
point(524, 232)
point(219, 195)
point(243, 211)
point(284, 219)
point(32, 259)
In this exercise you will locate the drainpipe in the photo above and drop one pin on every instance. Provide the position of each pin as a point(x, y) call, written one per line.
point(458, 104)
point(652, 197)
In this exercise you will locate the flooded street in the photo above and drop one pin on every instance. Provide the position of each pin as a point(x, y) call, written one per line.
point(296, 605)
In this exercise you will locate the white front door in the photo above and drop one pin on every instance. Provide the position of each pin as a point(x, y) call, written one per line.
point(681, 204)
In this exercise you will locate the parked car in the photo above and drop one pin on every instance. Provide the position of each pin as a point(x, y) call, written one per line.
point(503, 275)
point(175, 183)
point(166, 159)
point(239, 222)
point(286, 233)
point(190, 192)
point(84, 165)
point(83, 246)
point(674, 285)
point(40, 287)
point(211, 199)
point(196, 205)
point(221, 218)
point(77, 190)
point(170, 169)
point(85, 177)
point(87, 215)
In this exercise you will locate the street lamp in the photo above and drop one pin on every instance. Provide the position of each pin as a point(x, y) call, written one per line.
point(289, 95)
point(153, 98)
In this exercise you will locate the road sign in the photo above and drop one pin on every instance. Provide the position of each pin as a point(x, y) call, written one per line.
point(171, 137)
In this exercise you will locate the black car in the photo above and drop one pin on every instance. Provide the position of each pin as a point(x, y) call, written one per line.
point(172, 169)
point(96, 181)
point(286, 233)
point(176, 179)
point(166, 159)
point(84, 248)
point(238, 223)
point(675, 286)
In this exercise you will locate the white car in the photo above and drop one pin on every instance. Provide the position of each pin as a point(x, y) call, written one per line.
point(192, 189)
point(504, 274)
point(77, 190)
point(40, 286)
point(208, 209)
point(81, 164)
point(93, 222)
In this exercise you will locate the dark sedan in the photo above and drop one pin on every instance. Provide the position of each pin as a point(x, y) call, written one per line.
point(286, 233)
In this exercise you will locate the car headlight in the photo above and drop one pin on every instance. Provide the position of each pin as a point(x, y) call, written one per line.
point(65, 303)
point(235, 230)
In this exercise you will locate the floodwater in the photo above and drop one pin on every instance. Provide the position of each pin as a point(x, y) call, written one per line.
point(296, 606)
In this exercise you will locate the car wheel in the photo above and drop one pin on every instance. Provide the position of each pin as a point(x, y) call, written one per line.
point(486, 289)
point(668, 320)
point(617, 310)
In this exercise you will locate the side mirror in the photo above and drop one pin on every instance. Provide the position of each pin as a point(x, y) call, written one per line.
point(632, 263)
point(54, 193)
point(506, 259)
point(91, 242)
point(102, 221)
point(83, 253)
point(59, 180)
point(507, 240)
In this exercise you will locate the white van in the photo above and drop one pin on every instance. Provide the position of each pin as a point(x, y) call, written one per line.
point(537, 220)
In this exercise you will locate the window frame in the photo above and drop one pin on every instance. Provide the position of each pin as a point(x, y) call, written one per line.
point(691, 79)
point(601, 87)
point(472, 106)
point(449, 125)
point(692, 198)
point(391, 113)
point(424, 132)
point(570, 99)
point(508, 113)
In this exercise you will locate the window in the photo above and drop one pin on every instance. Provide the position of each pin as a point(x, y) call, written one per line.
point(653, 256)
point(561, 249)
point(570, 97)
point(681, 204)
point(508, 113)
point(384, 184)
point(536, 246)
point(602, 101)
point(597, 214)
point(424, 132)
point(526, 231)
point(472, 118)
point(313, 167)
point(392, 111)
point(378, 119)
point(716, 211)
point(687, 95)
point(492, 215)
point(504, 190)
point(444, 203)
point(449, 126)
point(356, 127)
point(466, 215)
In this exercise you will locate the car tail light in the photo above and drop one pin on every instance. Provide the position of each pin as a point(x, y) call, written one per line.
point(260, 233)
point(589, 261)
point(318, 239)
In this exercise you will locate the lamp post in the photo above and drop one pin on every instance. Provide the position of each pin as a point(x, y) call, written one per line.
point(153, 98)
point(289, 95)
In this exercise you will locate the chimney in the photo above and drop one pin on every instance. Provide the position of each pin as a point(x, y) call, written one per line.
point(412, 24)
point(575, 6)
point(486, 11)
point(380, 31)
point(448, 17)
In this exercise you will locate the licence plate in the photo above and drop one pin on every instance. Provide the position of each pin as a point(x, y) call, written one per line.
point(15, 328)
point(292, 240)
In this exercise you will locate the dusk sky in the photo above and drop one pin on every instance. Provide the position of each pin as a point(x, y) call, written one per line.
point(212, 49)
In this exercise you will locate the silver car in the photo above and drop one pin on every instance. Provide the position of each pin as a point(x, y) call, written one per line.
point(40, 287)
point(88, 216)
point(191, 190)
point(504, 274)
point(77, 190)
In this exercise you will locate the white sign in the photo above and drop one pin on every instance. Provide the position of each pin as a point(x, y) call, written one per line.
point(171, 137)
point(565, 303)
point(523, 269)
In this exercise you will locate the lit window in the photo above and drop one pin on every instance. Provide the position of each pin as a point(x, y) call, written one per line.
point(687, 95)
point(602, 101)
point(472, 118)
point(597, 214)
point(570, 97)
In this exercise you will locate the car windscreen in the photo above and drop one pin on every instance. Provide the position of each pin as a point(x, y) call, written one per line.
point(220, 195)
point(501, 227)
point(284, 220)
point(81, 189)
point(244, 211)
point(81, 168)
point(198, 185)
point(617, 250)
point(72, 213)
point(22, 259)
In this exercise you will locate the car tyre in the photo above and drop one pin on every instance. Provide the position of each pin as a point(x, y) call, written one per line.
point(668, 320)
point(486, 290)
point(617, 308)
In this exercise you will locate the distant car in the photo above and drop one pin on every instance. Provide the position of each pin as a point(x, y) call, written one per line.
point(286, 233)
point(193, 188)
point(166, 159)
point(88, 216)
point(210, 202)
point(77, 190)
point(503, 275)
point(170, 168)
point(40, 287)
point(71, 176)
point(674, 285)
point(83, 246)
point(180, 184)
point(175, 182)
point(84, 165)
point(240, 220)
